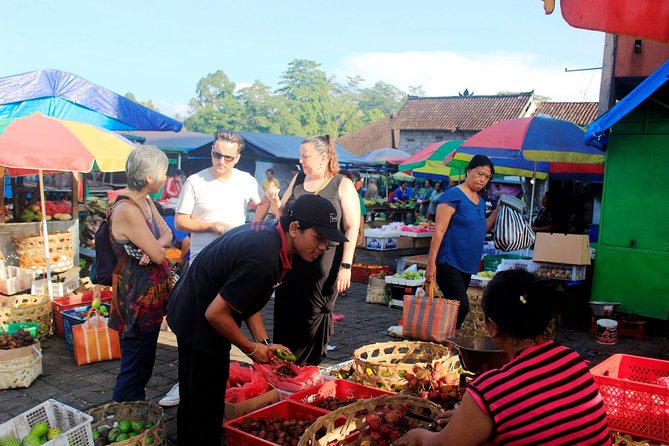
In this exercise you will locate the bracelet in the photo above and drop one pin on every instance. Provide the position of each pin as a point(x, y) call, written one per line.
point(253, 352)
point(266, 341)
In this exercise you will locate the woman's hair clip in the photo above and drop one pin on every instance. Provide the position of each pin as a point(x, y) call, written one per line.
point(523, 300)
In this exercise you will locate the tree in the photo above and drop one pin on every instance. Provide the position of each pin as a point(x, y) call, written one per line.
point(416, 90)
point(215, 106)
point(308, 94)
point(382, 98)
point(148, 104)
point(264, 111)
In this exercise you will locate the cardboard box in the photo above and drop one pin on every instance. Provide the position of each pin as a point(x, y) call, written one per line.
point(233, 410)
point(571, 249)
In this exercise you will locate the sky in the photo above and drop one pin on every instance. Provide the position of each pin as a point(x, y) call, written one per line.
point(159, 50)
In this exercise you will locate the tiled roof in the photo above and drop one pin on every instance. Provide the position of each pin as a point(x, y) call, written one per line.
point(580, 113)
point(372, 137)
point(469, 113)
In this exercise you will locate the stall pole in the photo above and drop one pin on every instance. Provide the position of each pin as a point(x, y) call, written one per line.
point(45, 234)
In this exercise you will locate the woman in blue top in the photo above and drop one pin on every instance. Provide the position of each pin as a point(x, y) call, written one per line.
point(460, 228)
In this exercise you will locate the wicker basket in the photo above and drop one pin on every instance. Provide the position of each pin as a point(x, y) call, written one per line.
point(19, 367)
point(27, 308)
point(385, 364)
point(133, 411)
point(345, 422)
point(31, 252)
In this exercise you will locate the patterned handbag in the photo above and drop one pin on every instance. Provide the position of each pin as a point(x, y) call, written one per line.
point(427, 317)
point(95, 343)
point(512, 232)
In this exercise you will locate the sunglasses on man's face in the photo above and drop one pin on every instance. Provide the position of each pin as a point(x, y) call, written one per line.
point(219, 155)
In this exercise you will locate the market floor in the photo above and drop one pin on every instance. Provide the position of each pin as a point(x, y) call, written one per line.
point(363, 323)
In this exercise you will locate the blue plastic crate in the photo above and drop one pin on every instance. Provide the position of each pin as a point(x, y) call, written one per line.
point(75, 316)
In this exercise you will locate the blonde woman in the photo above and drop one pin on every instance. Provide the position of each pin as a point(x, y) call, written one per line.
point(307, 295)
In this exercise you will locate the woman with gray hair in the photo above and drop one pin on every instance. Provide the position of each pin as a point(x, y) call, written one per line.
point(141, 281)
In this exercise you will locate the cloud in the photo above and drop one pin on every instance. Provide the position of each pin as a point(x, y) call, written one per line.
point(172, 108)
point(443, 73)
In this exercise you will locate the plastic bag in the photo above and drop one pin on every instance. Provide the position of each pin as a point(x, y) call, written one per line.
point(244, 383)
point(307, 376)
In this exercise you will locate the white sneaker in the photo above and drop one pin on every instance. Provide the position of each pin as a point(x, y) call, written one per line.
point(171, 398)
point(330, 347)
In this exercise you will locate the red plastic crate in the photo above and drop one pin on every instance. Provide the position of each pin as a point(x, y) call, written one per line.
point(360, 272)
point(283, 409)
point(338, 388)
point(634, 402)
point(61, 304)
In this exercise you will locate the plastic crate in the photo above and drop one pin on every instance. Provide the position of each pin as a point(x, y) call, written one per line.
point(31, 327)
point(76, 425)
point(492, 261)
point(61, 304)
point(286, 409)
point(360, 272)
point(337, 388)
point(73, 317)
point(561, 271)
point(634, 401)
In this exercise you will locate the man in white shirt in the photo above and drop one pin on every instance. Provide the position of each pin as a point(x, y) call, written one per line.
point(214, 199)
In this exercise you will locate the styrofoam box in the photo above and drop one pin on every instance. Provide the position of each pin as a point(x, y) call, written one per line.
point(416, 234)
point(14, 279)
point(381, 244)
point(70, 283)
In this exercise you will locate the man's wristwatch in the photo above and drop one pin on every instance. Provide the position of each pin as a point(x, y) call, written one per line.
point(346, 265)
point(266, 341)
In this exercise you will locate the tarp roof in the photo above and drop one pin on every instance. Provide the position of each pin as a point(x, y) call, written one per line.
point(67, 96)
point(183, 141)
point(594, 135)
point(271, 147)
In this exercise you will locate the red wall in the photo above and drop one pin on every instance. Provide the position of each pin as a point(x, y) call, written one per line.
point(629, 64)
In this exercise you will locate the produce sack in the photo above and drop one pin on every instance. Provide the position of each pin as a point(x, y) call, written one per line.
point(511, 231)
point(244, 383)
point(94, 341)
point(427, 316)
point(290, 377)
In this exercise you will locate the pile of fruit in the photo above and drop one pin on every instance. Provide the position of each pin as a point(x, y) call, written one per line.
point(420, 229)
point(383, 426)
point(411, 275)
point(276, 430)
point(435, 386)
point(18, 339)
point(488, 274)
point(121, 431)
point(39, 434)
point(333, 403)
point(347, 373)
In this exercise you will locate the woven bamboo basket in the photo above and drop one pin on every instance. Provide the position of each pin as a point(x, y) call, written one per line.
point(354, 419)
point(385, 364)
point(27, 308)
point(133, 411)
point(30, 250)
point(22, 369)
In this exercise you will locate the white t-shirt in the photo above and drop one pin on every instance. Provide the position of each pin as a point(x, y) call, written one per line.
point(205, 198)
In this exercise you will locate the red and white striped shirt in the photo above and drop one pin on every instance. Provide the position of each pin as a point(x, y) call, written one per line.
point(544, 396)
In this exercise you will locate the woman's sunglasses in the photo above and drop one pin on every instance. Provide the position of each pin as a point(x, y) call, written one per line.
point(219, 155)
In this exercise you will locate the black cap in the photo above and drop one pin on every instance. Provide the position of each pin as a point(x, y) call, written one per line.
point(318, 213)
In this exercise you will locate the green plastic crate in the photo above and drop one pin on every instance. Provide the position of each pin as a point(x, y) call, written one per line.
point(13, 328)
point(492, 261)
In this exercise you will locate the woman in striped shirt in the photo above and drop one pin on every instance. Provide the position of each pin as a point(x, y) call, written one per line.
point(544, 396)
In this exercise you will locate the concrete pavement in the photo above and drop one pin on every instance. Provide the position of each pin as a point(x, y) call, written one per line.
point(363, 323)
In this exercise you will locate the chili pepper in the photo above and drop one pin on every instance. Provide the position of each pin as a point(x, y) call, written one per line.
point(286, 356)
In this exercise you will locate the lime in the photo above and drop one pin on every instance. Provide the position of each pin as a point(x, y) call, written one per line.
point(148, 440)
point(121, 437)
point(125, 426)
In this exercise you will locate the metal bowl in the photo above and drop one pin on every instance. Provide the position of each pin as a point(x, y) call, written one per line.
point(479, 353)
point(603, 308)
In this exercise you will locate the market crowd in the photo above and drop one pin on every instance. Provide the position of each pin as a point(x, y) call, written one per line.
point(303, 255)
